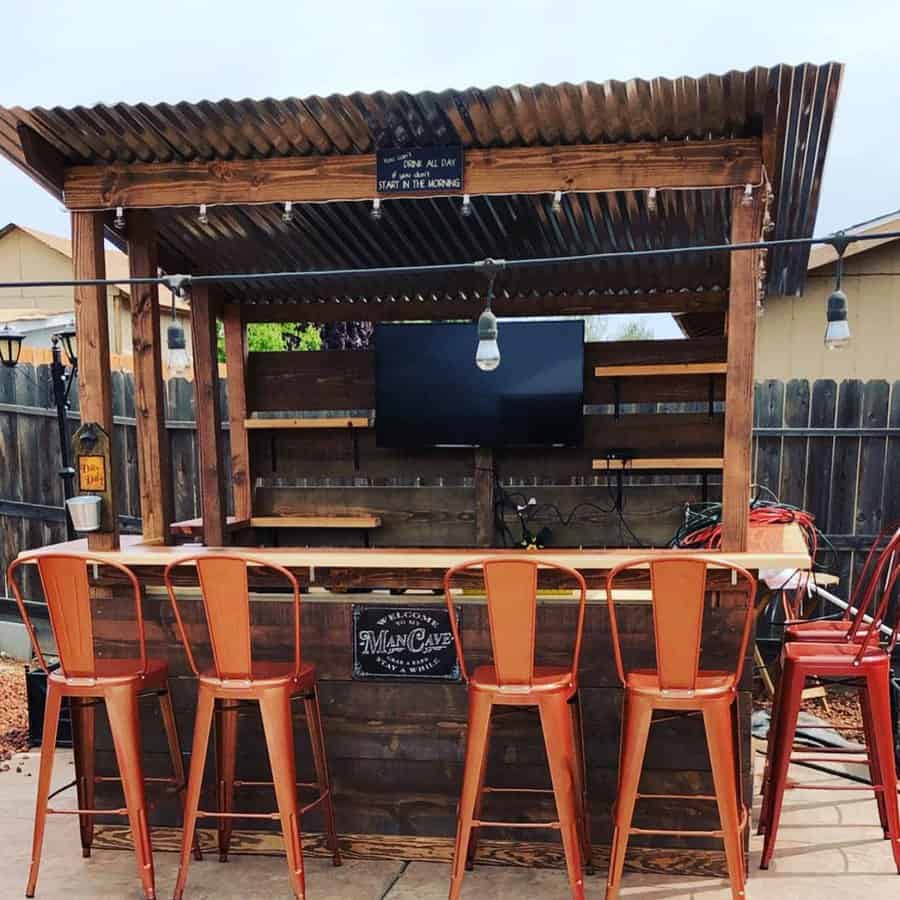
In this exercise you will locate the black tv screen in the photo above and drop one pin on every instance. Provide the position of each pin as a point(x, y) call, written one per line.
point(429, 392)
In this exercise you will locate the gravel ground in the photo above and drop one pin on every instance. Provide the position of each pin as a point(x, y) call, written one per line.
point(13, 710)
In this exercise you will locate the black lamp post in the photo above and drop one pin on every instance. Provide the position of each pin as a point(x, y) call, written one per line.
point(62, 377)
point(62, 383)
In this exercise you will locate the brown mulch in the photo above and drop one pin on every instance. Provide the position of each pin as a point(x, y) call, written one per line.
point(840, 708)
point(13, 710)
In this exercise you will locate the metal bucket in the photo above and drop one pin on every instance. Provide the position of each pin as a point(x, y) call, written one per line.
point(85, 512)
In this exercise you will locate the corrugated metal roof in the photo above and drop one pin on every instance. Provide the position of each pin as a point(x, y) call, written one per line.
point(793, 104)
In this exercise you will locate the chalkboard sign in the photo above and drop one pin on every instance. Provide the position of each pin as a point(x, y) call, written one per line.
point(408, 642)
point(419, 170)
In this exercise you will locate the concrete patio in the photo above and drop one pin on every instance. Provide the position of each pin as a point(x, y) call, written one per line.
point(829, 846)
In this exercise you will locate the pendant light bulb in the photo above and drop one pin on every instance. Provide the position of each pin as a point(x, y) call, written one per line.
point(837, 331)
point(376, 209)
point(466, 208)
point(178, 359)
point(119, 221)
point(556, 205)
point(202, 217)
point(487, 356)
point(288, 215)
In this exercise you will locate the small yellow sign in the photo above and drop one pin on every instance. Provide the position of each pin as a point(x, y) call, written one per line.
point(91, 473)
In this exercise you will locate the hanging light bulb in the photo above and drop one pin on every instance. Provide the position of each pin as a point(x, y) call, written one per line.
point(376, 209)
point(119, 221)
point(202, 217)
point(747, 199)
point(288, 215)
point(837, 329)
point(179, 361)
point(487, 354)
point(651, 200)
point(466, 208)
point(556, 205)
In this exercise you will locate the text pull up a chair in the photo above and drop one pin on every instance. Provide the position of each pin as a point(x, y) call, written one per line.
point(88, 679)
point(234, 677)
point(679, 587)
point(513, 679)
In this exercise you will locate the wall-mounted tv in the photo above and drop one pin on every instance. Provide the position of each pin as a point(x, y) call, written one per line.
point(429, 392)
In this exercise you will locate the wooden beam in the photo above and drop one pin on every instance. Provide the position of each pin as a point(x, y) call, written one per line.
point(713, 368)
point(236, 366)
point(154, 472)
point(746, 226)
point(315, 422)
point(510, 170)
point(659, 464)
point(209, 420)
point(484, 497)
point(92, 326)
point(447, 308)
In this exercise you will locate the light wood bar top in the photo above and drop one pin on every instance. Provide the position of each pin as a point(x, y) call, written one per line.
point(771, 547)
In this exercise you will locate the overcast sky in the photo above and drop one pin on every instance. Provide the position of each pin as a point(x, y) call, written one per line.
point(69, 53)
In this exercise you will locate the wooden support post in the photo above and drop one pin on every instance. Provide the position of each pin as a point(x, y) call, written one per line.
point(157, 503)
point(236, 364)
point(746, 226)
point(92, 326)
point(484, 497)
point(209, 420)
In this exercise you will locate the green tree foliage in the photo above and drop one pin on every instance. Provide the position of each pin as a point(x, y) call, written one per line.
point(635, 331)
point(276, 336)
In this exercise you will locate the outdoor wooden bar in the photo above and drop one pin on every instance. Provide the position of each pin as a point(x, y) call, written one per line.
point(290, 469)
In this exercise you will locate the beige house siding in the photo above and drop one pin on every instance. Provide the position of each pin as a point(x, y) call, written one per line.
point(790, 334)
point(27, 257)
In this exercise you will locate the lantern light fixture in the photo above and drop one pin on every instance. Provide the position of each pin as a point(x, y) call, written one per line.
point(10, 345)
point(70, 343)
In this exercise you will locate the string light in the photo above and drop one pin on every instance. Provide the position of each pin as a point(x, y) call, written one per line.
point(651, 201)
point(376, 209)
point(556, 205)
point(837, 329)
point(466, 209)
point(119, 221)
point(747, 199)
point(288, 215)
point(487, 354)
point(202, 217)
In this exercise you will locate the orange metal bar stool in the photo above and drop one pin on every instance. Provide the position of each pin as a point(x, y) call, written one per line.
point(87, 680)
point(514, 680)
point(851, 628)
point(678, 588)
point(860, 659)
point(235, 677)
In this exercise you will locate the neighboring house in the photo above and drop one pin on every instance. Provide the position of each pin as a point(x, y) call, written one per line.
point(30, 255)
point(790, 333)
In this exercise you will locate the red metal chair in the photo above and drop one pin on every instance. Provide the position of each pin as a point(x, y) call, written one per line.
point(513, 679)
point(678, 588)
point(235, 676)
point(851, 627)
point(858, 657)
point(87, 680)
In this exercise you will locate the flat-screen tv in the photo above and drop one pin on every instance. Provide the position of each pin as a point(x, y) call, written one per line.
point(429, 392)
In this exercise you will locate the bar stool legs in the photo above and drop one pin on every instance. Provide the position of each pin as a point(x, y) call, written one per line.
point(45, 773)
point(584, 819)
point(323, 779)
point(559, 740)
point(226, 758)
point(636, 715)
point(275, 706)
point(83, 732)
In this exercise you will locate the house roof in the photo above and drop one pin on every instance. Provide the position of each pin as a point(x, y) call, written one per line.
point(826, 254)
point(116, 261)
point(790, 107)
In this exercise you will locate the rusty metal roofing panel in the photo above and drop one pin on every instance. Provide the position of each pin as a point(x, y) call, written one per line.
point(798, 102)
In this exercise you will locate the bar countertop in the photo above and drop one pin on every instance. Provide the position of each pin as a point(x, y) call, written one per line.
point(771, 547)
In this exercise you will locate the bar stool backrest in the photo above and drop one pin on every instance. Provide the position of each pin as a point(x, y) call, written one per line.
point(224, 587)
point(67, 590)
point(678, 588)
point(511, 590)
point(874, 584)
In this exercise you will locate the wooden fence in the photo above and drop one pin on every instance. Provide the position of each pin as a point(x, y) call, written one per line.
point(831, 448)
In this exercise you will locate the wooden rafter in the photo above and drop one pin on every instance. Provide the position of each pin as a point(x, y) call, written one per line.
point(515, 170)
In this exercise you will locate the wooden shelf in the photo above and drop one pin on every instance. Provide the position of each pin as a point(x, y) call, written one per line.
point(716, 368)
point(697, 463)
point(315, 522)
point(194, 527)
point(339, 422)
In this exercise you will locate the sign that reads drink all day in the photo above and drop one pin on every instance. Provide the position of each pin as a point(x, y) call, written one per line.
point(419, 170)
point(411, 642)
